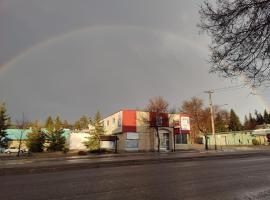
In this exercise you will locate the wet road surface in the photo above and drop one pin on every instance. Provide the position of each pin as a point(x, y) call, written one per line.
point(222, 179)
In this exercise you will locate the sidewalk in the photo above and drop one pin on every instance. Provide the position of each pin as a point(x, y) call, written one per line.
point(11, 167)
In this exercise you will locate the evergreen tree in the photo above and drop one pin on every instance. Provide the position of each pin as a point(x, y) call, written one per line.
point(97, 130)
point(251, 122)
point(58, 123)
point(49, 124)
point(77, 125)
point(36, 140)
point(4, 120)
point(220, 123)
point(66, 124)
point(54, 135)
point(56, 140)
point(259, 118)
point(234, 123)
point(84, 122)
point(246, 123)
point(266, 117)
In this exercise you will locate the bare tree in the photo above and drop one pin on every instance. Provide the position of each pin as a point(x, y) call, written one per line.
point(240, 32)
point(199, 117)
point(21, 124)
point(157, 106)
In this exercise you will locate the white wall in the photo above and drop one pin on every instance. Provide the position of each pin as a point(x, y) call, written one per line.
point(76, 141)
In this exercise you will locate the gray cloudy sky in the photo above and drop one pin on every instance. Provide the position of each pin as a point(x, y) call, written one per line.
point(72, 57)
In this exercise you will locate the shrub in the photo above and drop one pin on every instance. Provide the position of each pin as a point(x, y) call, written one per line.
point(65, 150)
point(99, 151)
point(255, 142)
point(199, 140)
point(82, 153)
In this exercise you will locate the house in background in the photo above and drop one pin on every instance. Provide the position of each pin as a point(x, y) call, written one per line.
point(14, 136)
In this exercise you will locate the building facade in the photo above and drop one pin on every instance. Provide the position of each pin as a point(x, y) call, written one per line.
point(136, 132)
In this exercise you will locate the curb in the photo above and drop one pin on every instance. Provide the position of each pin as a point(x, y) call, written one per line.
point(119, 163)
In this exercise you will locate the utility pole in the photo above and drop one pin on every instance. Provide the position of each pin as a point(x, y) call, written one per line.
point(210, 92)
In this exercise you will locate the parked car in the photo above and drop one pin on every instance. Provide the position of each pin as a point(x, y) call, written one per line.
point(2, 150)
point(15, 150)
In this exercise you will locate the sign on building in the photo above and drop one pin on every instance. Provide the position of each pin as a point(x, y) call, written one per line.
point(185, 123)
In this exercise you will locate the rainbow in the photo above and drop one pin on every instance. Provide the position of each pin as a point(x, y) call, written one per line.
point(253, 91)
point(52, 40)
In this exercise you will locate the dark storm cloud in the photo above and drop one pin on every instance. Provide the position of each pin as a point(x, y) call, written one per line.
point(74, 57)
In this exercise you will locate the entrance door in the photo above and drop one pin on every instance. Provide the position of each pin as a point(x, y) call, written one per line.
point(166, 141)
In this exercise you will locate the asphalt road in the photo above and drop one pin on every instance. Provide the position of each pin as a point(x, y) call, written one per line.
point(232, 179)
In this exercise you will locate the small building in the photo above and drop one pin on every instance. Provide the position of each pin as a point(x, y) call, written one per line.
point(239, 138)
point(14, 136)
point(135, 131)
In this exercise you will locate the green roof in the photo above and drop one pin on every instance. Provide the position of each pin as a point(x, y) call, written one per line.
point(15, 134)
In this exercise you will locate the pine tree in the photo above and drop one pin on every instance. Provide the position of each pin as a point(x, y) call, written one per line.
point(4, 120)
point(36, 140)
point(56, 140)
point(234, 123)
point(266, 117)
point(246, 123)
point(220, 124)
point(77, 125)
point(97, 130)
point(58, 123)
point(259, 118)
point(49, 124)
point(84, 122)
point(66, 124)
point(54, 135)
point(252, 122)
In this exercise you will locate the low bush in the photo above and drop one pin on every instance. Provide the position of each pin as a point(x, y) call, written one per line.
point(99, 151)
point(255, 142)
point(65, 150)
point(199, 140)
point(82, 153)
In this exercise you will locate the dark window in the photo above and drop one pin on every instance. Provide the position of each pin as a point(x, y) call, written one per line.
point(159, 121)
point(181, 138)
point(132, 144)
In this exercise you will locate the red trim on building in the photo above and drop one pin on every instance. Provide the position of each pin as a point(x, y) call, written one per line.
point(164, 119)
point(129, 121)
point(176, 131)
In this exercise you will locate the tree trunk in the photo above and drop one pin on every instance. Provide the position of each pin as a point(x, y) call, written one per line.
point(206, 142)
point(158, 137)
point(20, 143)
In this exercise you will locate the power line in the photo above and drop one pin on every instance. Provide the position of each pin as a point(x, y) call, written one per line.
point(228, 88)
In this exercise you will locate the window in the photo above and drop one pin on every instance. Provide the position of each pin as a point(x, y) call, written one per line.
point(119, 120)
point(159, 120)
point(108, 122)
point(114, 120)
point(132, 141)
point(181, 138)
point(132, 144)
